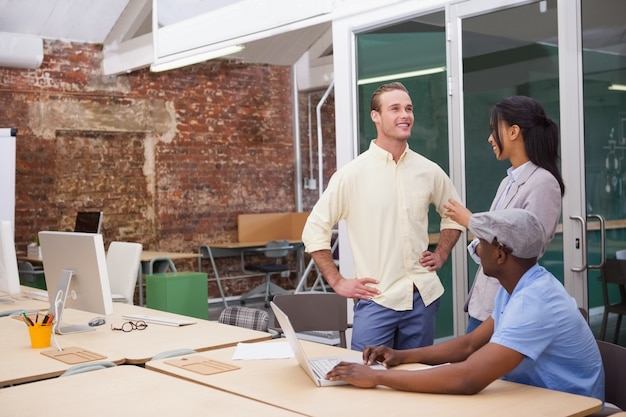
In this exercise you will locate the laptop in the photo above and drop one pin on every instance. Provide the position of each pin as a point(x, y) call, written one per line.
point(315, 368)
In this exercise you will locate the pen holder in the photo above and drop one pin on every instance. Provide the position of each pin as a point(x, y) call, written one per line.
point(40, 335)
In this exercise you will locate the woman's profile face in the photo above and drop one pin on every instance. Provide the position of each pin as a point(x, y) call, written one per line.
point(504, 133)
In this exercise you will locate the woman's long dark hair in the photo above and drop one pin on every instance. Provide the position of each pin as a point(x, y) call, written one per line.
point(541, 134)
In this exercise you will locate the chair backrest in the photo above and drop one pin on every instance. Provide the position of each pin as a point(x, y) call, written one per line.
point(315, 312)
point(250, 318)
point(614, 361)
point(614, 271)
point(26, 271)
point(277, 253)
point(123, 263)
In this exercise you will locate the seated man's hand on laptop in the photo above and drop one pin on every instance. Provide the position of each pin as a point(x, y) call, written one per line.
point(353, 373)
point(383, 355)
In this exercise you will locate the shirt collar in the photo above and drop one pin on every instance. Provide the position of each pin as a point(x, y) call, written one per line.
point(514, 173)
point(384, 156)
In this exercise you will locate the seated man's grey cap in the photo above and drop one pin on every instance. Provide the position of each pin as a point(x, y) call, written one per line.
point(517, 229)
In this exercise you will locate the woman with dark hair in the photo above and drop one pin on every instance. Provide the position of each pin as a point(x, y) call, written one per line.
point(522, 133)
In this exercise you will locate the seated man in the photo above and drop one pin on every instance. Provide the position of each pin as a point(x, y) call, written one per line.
point(536, 334)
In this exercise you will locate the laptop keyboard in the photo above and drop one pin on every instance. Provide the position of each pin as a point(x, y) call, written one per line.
point(321, 366)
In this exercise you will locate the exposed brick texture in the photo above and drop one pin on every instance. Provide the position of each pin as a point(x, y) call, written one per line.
point(170, 158)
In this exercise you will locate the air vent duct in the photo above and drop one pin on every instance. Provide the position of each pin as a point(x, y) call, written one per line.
point(20, 51)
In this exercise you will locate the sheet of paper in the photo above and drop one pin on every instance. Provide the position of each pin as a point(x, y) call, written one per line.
point(278, 350)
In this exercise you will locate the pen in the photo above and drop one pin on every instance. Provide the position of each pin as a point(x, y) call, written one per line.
point(37, 317)
point(45, 319)
point(27, 319)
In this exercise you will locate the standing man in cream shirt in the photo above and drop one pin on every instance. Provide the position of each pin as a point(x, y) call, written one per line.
point(383, 196)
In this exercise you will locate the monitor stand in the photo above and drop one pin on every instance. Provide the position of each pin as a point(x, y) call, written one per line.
point(63, 287)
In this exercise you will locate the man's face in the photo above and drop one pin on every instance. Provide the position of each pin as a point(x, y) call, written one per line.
point(488, 254)
point(395, 118)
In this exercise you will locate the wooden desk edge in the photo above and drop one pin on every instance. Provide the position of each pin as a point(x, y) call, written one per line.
point(239, 245)
point(142, 361)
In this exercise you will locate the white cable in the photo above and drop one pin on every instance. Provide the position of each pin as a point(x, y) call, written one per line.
point(57, 301)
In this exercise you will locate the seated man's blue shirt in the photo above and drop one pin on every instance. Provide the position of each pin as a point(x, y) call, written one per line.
point(541, 321)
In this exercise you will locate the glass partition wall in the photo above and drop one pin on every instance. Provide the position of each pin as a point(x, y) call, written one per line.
point(604, 101)
point(457, 61)
point(414, 53)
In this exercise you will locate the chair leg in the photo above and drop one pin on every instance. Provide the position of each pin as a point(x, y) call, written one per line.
point(605, 317)
point(267, 289)
point(617, 328)
point(256, 290)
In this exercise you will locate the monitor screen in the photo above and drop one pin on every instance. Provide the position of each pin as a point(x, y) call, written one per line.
point(88, 221)
point(9, 276)
point(83, 254)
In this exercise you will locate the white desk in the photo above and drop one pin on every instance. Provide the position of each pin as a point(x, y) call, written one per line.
point(21, 302)
point(127, 391)
point(139, 346)
point(21, 363)
point(292, 389)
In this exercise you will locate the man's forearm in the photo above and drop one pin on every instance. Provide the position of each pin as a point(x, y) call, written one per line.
point(447, 240)
point(326, 264)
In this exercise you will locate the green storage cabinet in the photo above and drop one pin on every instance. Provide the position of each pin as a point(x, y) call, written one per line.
point(179, 292)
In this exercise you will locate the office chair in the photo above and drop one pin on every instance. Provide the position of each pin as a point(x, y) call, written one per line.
point(124, 266)
point(160, 266)
point(316, 312)
point(274, 251)
point(27, 272)
point(250, 318)
point(614, 361)
point(613, 272)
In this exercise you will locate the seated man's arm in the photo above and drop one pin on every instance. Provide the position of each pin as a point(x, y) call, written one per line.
point(474, 363)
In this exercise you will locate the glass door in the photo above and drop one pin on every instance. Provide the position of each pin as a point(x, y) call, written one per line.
point(414, 53)
point(498, 54)
point(604, 105)
point(571, 59)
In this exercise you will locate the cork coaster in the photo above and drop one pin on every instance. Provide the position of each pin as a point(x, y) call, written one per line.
point(201, 365)
point(73, 355)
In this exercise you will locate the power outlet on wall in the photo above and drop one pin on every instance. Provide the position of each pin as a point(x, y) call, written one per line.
point(285, 274)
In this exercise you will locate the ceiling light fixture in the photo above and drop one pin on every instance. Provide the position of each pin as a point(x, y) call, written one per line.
point(401, 75)
point(195, 59)
point(617, 87)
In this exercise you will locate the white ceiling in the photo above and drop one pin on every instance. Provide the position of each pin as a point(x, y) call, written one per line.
point(88, 21)
point(83, 21)
point(93, 21)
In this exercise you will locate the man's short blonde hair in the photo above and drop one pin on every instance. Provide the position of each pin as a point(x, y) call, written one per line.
point(375, 102)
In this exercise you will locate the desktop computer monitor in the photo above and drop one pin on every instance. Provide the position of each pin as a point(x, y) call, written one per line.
point(88, 221)
point(9, 276)
point(87, 285)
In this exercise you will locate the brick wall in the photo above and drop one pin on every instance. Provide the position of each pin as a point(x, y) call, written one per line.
point(170, 158)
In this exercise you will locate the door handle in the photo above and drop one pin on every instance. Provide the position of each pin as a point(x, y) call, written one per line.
point(582, 243)
point(602, 240)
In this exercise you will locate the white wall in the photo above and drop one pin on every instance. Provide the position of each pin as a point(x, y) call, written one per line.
point(7, 176)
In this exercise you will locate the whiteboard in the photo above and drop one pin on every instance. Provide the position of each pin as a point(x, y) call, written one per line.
point(7, 175)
